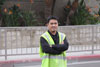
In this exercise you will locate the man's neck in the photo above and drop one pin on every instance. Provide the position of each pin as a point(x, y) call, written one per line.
point(53, 32)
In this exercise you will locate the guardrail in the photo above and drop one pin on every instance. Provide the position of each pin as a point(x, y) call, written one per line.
point(25, 40)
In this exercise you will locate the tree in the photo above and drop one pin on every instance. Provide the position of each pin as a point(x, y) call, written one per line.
point(50, 4)
point(72, 10)
point(50, 9)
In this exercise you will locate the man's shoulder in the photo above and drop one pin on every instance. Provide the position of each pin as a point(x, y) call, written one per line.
point(44, 33)
point(61, 33)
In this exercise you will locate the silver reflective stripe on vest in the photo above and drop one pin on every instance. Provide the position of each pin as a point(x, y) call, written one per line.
point(61, 34)
point(46, 35)
point(54, 57)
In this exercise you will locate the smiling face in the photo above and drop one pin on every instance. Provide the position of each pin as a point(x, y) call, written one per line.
point(52, 25)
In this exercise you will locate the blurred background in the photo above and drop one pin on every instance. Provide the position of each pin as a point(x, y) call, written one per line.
point(23, 21)
point(35, 12)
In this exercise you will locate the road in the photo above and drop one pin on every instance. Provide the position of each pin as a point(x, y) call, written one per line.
point(85, 64)
point(73, 61)
point(74, 64)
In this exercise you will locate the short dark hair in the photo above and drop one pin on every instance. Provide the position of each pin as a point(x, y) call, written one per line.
point(51, 17)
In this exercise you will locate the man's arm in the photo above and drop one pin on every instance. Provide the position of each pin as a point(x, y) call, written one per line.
point(46, 47)
point(61, 47)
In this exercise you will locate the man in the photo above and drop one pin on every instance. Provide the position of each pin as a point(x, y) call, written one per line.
point(53, 45)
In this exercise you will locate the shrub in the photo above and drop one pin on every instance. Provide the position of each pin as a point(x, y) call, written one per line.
point(82, 15)
point(17, 17)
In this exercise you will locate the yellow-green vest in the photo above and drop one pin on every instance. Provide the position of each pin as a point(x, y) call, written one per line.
point(49, 60)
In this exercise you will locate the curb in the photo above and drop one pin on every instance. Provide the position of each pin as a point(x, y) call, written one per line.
point(83, 57)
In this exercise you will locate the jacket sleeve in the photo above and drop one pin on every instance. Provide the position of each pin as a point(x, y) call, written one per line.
point(47, 49)
point(61, 47)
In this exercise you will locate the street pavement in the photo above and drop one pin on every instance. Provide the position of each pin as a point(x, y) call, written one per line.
point(75, 59)
point(75, 64)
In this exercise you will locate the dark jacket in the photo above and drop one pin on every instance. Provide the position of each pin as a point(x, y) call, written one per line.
point(55, 49)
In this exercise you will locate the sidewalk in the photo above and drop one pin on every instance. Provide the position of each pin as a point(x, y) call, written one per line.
point(35, 61)
point(36, 56)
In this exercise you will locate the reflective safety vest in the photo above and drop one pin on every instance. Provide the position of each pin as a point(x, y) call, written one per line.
point(49, 60)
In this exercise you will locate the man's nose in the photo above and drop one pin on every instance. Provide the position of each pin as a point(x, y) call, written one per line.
point(53, 24)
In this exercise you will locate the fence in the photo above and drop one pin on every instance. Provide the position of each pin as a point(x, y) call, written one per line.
point(25, 40)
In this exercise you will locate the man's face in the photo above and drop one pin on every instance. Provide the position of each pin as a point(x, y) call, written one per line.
point(53, 25)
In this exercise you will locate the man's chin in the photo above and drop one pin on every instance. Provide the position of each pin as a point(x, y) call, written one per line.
point(54, 30)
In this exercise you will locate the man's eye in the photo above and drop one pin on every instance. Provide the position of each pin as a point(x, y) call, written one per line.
point(53, 23)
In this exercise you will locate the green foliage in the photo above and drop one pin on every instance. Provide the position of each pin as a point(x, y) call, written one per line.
point(67, 8)
point(16, 17)
point(99, 12)
point(81, 15)
point(1, 3)
point(11, 18)
point(29, 18)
